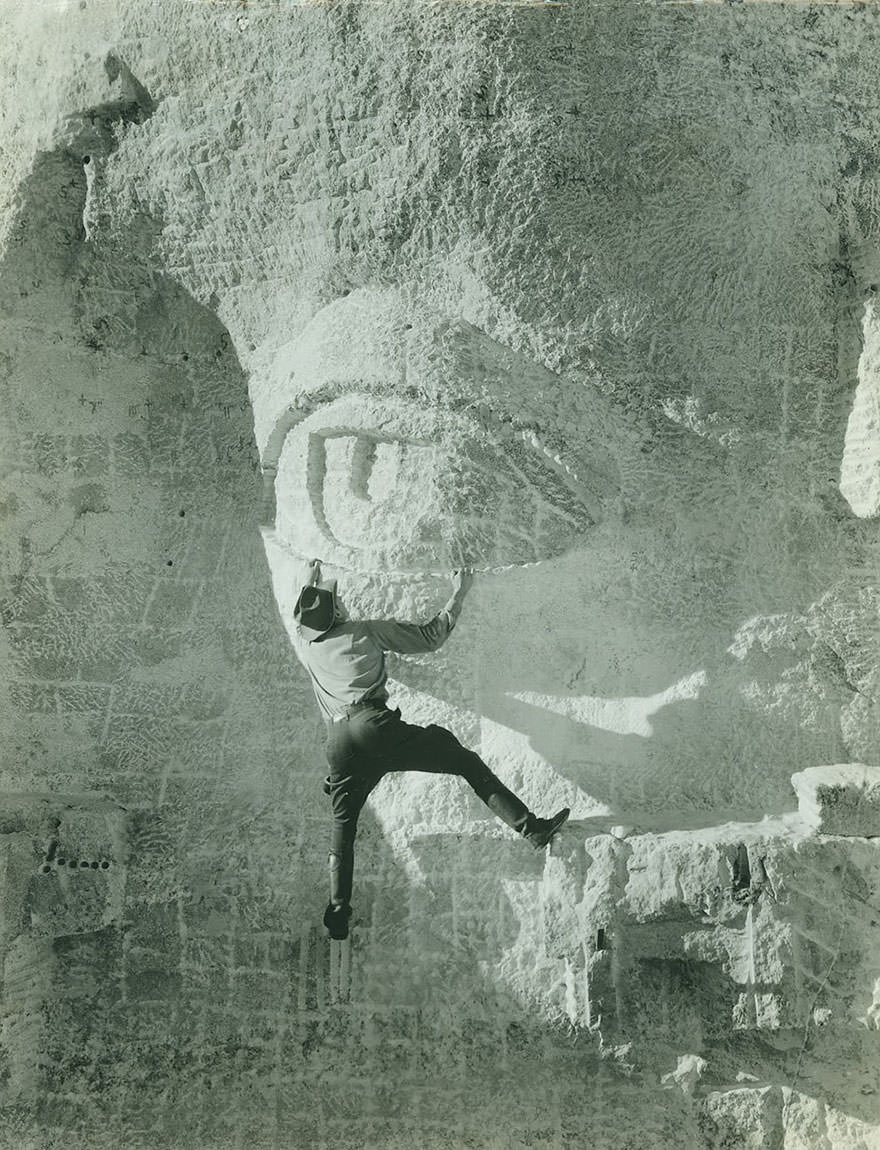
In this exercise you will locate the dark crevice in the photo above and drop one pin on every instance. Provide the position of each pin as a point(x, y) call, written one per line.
point(742, 873)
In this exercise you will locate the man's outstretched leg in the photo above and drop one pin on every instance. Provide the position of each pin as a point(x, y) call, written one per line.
point(505, 804)
point(437, 750)
point(543, 830)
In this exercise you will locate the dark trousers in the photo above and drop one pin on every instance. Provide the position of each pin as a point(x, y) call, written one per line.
point(372, 742)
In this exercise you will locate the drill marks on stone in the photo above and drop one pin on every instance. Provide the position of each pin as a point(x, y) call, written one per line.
point(50, 865)
point(340, 972)
point(314, 978)
point(754, 1009)
point(816, 1014)
point(581, 1005)
point(29, 972)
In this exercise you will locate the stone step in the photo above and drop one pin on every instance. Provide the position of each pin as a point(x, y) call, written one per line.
point(843, 799)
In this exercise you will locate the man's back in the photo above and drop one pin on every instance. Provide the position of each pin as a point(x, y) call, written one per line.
point(347, 663)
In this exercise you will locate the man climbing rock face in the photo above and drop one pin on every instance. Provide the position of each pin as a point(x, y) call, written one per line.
point(366, 740)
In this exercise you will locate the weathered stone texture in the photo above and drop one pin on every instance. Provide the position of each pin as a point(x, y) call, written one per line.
point(840, 800)
point(579, 294)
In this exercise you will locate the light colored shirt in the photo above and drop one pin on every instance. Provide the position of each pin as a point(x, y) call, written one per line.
point(347, 664)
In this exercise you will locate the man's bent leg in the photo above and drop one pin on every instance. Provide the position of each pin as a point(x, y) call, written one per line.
point(511, 809)
point(435, 749)
point(498, 798)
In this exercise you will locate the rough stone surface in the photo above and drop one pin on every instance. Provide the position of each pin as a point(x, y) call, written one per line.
point(840, 800)
point(582, 295)
point(860, 466)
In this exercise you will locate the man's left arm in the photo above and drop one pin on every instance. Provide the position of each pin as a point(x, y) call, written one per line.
point(309, 576)
point(311, 573)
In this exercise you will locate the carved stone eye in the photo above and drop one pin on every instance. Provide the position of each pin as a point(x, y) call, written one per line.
point(373, 485)
point(367, 490)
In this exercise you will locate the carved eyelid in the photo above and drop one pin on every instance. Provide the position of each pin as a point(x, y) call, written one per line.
point(494, 492)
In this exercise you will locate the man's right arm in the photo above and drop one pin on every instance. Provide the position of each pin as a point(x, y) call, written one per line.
point(311, 573)
point(461, 584)
point(415, 638)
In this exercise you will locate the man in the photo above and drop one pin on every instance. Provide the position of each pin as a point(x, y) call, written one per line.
point(365, 740)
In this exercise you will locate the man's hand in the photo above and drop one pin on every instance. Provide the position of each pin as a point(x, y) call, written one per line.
point(313, 573)
point(461, 581)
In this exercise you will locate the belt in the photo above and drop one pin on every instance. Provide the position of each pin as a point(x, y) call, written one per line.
point(363, 705)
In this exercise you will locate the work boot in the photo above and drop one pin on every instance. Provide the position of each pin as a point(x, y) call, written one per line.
point(540, 831)
point(336, 918)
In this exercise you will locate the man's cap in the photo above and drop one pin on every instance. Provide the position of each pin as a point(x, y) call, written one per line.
point(315, 609)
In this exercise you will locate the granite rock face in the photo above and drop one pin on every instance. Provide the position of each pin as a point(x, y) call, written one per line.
point(840, 800)
point(582, 296)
